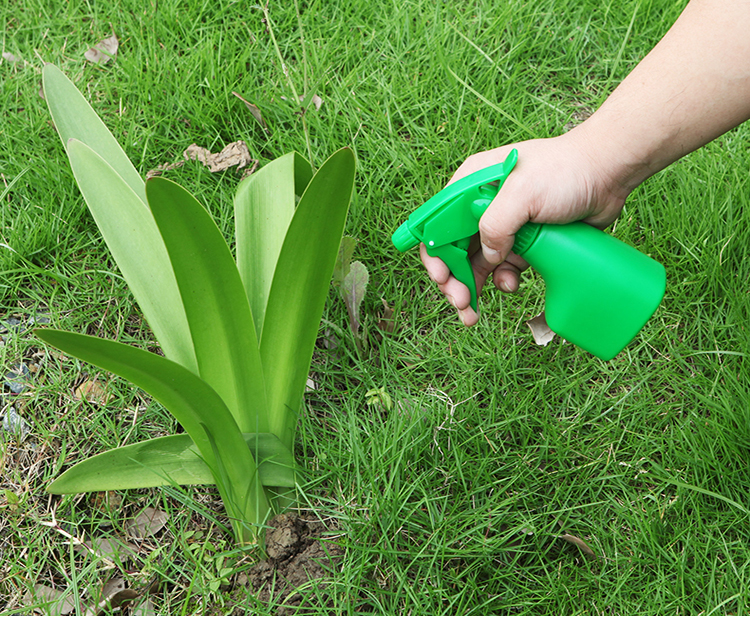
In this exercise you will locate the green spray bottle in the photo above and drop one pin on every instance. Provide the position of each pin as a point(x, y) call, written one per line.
point(600, 291)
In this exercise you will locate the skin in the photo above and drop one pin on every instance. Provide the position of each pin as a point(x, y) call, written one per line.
point(691, 88)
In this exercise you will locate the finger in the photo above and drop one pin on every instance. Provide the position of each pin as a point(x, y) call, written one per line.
point(505, 215)
point(480, 161)
point(507, 276)
point(458, 295)
point(436, 268)
point(498, 227)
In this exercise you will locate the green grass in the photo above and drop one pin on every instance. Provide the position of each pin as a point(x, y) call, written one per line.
point(453, 501)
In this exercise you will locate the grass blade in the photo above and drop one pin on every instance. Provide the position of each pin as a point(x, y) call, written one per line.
point(136, 245)
point(264, 205)
point(217, 309)
point(192, 402)
point(168, 460)
point(300, 287)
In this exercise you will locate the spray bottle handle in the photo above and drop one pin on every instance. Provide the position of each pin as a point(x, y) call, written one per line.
point(448, 220)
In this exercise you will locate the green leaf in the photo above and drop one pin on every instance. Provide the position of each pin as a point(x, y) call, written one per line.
point(264, 205)
point(75, 118)
point(131, 234)
point(353, 290)
point(300, 287)
point(193, 403)
point(217, 309)
point(344, 259)
point(169, 460)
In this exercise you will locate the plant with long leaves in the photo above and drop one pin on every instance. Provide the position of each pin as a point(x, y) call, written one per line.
point(238, 336)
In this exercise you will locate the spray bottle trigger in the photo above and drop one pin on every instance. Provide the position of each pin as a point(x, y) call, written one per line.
point(457, 260)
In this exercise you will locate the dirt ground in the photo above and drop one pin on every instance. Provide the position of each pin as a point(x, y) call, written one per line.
point(297, 555)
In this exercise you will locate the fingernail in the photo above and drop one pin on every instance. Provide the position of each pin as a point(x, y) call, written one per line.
point(468, 315)
point(492, 256)
point(451, 300)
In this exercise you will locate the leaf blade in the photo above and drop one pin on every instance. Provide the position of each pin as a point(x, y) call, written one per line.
point(215, 302)
point(264, 204)
point(353, 290)
point(168, 460)
point(301, 280)
point(75, 118)
point(130, 232)
point(192, 402)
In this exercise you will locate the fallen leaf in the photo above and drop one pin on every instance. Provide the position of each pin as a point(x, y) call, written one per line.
point(108, 548)
point(387, 324)
point(234, 154)
point(13, 423)
point(585, 548)
point(15, 380)
point(343, 260)
point(311, 385)
point(330, 341)
point(540, 330)
point(107, 500)
point(315, 100)
point(148, 522)
point(114, 594)
point(55, 602)
point(254, 110)
point(353, 290)
point(93, 392)
point(143, 608)
point(104, 51)
point(11, 58)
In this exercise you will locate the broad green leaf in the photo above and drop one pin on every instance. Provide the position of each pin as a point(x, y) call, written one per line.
point(75, 118)
point(197, 407)
point(217, 309)
point(169, 460)
point(263, 205)
point(300, 287)
point(353, 290)
point(131, 234)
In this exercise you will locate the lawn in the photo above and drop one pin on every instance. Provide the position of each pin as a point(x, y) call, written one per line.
point(457, 471)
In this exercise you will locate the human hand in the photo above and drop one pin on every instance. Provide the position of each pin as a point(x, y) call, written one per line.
point(556, 180)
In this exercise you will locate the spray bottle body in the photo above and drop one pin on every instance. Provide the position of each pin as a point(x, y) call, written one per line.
point(600, 291)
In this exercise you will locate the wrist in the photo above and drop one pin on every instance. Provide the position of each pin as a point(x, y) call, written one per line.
point(612, 168)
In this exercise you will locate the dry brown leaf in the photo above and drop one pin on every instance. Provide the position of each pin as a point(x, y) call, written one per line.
point(53, 600)
point(585, 548)
point(254, 110)
point(143, 608)
point(107, 500)
point(109, 548)
point(317, 102)
point(92, 391)
point(114, 594)
point(11, 58)
point(104, 51)
point(540, 330)
point(148, 522)
point(387, 322)
point(234, 154)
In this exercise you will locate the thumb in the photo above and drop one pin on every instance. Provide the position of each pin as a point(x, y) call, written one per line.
point(499, 224)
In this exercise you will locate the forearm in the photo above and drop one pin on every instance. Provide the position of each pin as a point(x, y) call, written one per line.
point(691, 88)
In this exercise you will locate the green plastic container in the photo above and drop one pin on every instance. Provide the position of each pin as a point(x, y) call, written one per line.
point(600, 291)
